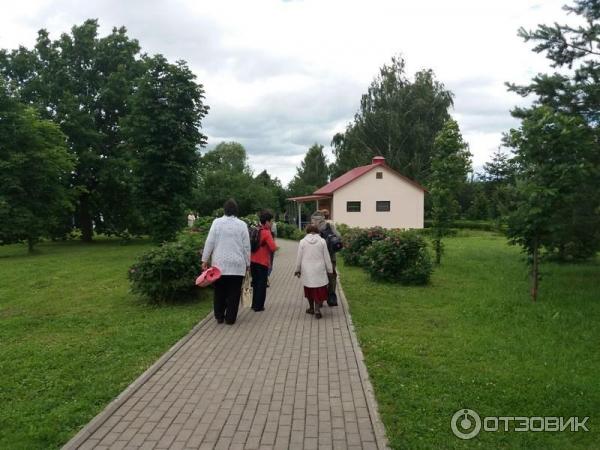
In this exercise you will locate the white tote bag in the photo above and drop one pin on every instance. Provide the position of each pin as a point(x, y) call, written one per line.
point(247, 292)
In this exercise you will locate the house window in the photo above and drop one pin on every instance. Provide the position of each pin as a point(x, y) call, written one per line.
point(379, 175)
point(382, 206)
point(353, 206)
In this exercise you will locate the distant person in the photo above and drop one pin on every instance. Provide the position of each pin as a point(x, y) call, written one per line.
point(261, 261)
point(313, 266)
point(228, 246)
point(191, 218)
point(321, 220)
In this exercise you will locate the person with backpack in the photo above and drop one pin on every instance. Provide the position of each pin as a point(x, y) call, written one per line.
point(333, 239)
point(228, 247)
point(263, 246)
point(313, 266)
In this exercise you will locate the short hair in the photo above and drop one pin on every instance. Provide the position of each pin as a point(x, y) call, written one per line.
point(230, 208)
point(265, 216)
point(312, 229)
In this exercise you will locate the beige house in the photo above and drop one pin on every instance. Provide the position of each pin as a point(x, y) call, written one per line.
point(372, 195)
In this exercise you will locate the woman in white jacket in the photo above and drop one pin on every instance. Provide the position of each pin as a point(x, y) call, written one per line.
point(313, 265)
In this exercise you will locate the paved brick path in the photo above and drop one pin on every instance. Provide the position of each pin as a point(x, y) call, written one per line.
point(278, 379)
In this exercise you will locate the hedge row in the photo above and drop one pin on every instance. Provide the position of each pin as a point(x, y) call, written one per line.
point(482, 225)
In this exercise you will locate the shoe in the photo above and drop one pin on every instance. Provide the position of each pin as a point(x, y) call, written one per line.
point(229, 322)
point(310, 311)
point(258, 309)
point(220, 320)
point(318, 315)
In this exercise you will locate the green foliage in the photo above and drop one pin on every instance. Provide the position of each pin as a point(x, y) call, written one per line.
point(402, 257)
point(168, 273)
point(34, 173)
point(225, 173)
point(202, 224)
point(163, 134)
point(575, 50)
point(449, 167)
point(356, 241)
point(289, 231)
point(483, 225)
point(398, 119)
point(83, 82)
point(557, 156)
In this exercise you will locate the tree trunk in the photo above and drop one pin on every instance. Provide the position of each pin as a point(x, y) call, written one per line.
point(30, 244)
point(437, 243)
point(85, 219)
point(535, 271)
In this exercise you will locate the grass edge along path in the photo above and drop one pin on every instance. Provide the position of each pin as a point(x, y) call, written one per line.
point(473, 339)
point(74, 337)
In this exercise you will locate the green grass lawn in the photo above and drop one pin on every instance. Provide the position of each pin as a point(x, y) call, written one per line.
point(72, 337)
point(473, 339)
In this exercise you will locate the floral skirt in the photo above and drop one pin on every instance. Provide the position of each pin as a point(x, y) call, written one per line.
point(318, 294)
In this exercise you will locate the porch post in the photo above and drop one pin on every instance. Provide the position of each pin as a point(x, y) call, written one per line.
point(299, 216)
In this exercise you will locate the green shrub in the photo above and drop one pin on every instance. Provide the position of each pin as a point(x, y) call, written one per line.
point(342, 228)
point(402, 257)
point(168, 272)
point(357, 240)
point(202, 224)
point(289, 231)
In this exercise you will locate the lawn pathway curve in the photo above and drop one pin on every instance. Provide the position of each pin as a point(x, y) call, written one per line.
point(278, 379)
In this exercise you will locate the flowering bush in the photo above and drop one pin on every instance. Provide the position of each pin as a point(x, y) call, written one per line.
point(402, 256)
point(168, 272)
point(357, 240)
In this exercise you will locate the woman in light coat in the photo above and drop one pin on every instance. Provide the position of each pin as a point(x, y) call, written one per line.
point(313, 265)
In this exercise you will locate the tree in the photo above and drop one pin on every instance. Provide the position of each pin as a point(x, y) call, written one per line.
point(574, 91)
point(312, 173)
point(83, 83)
point(499, 179)
point(397, 119)
point(163, 134)
point(450, 165)
point(225, 173)
point(553, 151)
point(34, 173)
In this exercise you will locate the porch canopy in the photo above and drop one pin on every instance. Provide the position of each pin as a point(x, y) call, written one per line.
point(306, 199)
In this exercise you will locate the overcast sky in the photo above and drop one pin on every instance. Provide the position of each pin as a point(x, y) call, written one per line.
point(281, 75)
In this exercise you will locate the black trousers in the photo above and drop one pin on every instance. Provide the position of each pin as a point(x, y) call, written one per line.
point(260, 274)
point(228, 290)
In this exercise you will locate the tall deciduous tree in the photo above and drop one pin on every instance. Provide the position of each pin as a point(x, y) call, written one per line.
point(163, 132)
point(399, 119)
point(225, 173)
point(35, 168)
point(450, 165)
point(553, 151)
point(83, 83)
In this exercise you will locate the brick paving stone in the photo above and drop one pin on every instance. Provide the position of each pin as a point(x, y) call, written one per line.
point(278, 379)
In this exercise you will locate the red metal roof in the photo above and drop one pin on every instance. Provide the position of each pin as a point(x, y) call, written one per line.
point(358, 172)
